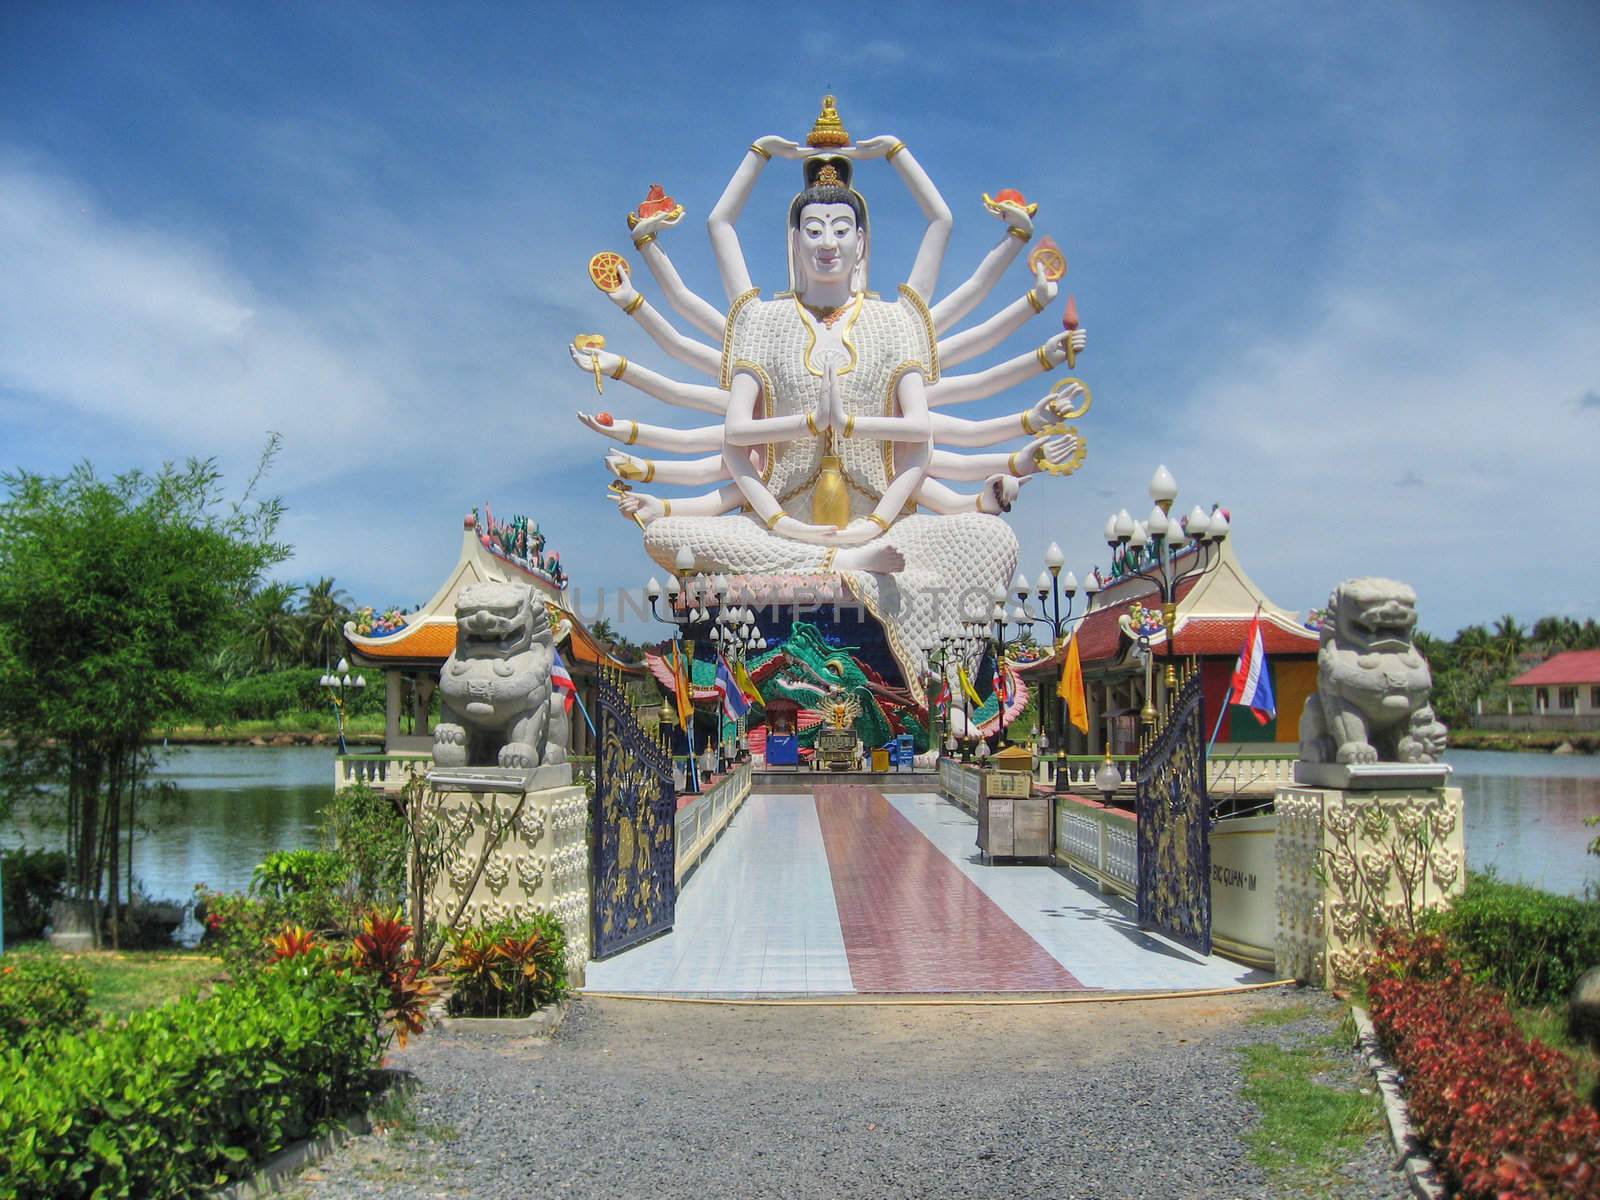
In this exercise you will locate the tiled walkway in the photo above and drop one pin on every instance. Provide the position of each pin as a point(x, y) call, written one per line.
point(851, 891)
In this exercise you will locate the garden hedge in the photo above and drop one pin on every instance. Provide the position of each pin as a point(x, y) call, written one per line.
point(1531, 943)
point(188, 1096)
point(41, 997)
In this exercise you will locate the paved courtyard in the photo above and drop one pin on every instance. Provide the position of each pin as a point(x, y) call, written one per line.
point(848, 890)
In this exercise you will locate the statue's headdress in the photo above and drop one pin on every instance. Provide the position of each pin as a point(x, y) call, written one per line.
point(829, 180)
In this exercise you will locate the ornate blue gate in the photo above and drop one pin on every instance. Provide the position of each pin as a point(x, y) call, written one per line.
point(1175, 826)
point(634, 819)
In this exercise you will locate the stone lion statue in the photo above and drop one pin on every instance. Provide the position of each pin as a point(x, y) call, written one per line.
point(497, 704)
point(1371, 703)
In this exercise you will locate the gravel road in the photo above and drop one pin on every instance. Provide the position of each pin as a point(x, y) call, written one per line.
point(663, 1100)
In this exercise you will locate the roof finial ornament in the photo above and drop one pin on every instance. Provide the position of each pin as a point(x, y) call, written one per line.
point(829, 130)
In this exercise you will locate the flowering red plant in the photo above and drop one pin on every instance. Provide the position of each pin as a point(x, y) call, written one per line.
point(1502, 1111)
point(292, 943)
point(380, 950)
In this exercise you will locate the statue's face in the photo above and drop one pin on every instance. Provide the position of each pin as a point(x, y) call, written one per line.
point(827, 243)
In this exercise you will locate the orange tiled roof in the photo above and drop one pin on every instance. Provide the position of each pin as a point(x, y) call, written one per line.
point(432, 639)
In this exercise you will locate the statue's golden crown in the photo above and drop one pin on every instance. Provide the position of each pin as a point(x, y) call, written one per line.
point(829, 177)
point(829, 130)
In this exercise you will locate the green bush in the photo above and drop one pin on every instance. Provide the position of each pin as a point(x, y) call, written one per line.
point(33, 878)
point(366, 832)
point(276, 693)
point(182, 1098)
point(40, 997)
point(286, 873)
point(509, 969)
point(1532, 944)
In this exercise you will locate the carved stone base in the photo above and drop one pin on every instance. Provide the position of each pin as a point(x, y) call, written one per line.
point(538, 863)
point(500, 779)
point(1371, 777)
point(1350, 861)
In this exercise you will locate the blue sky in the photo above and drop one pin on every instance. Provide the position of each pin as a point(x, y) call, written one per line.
point(1338, 263)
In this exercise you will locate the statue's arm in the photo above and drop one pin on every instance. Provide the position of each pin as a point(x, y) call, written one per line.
point(745, 429)
point(692, 472)
point(980, 338)
point(1018, 464)
point(1050, 409)
point(670, 391)
point(685, 349)
point(699, 312)
point(930, 254)
point(720, 224)
point(656, 437)
point(647, 508)
point(1019, 228)
point(958, 389)
point(994, 499)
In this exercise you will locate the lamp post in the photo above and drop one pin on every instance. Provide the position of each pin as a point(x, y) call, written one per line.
point(695, 599)
point(1020, 621)
point(338, 686)
point(1051, 586)
point(1166, 551)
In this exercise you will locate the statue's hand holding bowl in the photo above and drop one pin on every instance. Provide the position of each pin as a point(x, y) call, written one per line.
point(779, 147)
point(873, 147)
point(655, 223)
point(1015, 217)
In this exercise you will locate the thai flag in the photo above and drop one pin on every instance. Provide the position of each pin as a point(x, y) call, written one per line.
point(562, 679)
point(1252, 682)
point(733, 702)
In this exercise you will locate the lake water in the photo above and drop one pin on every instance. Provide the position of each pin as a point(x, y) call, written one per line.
point(1524, 815)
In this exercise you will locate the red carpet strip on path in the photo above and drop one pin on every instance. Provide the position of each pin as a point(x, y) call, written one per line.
point(912, 922)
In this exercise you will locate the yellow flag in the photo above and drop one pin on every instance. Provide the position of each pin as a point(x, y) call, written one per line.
point(966, 686)
point(682, 688)
point(741, 676)
point(1070, 688)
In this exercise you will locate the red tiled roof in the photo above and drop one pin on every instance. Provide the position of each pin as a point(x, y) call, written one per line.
point(1574, 666)
point(1225, 635)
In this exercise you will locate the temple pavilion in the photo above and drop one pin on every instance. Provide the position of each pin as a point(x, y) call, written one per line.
point(410, 649)
point(1214, 614)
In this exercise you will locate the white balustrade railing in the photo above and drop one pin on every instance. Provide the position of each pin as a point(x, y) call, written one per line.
point(1225, 773)
point(700, 822)
point(382, 772)
point(1100, 842)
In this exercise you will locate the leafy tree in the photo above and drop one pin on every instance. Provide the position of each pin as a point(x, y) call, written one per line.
point(323, 612)
point(112, 593)
point(604, 632)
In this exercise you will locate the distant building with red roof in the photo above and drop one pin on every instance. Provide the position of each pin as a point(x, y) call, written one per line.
point(1567, 685)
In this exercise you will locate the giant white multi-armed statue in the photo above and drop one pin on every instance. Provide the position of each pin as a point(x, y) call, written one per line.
point(828, 456)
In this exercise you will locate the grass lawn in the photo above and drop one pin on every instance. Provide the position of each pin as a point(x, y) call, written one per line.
point(126, 981)
point(1317, 1107)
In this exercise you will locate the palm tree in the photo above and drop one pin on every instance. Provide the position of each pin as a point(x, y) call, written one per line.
point(272, 630)
point(605, 633)
point(1510, 640)
point(323, 613)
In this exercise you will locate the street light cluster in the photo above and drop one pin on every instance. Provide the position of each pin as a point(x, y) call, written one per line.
point(337, 684)
point(691, 597)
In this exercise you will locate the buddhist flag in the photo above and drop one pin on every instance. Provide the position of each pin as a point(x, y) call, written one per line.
point(1070, 688)
point(970, 692)
point(681, 688)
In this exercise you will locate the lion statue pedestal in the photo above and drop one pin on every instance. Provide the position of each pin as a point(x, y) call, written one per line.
point(1372, 836)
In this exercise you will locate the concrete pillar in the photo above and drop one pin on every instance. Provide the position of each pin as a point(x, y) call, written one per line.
point(391, 710)
point(422, 698)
